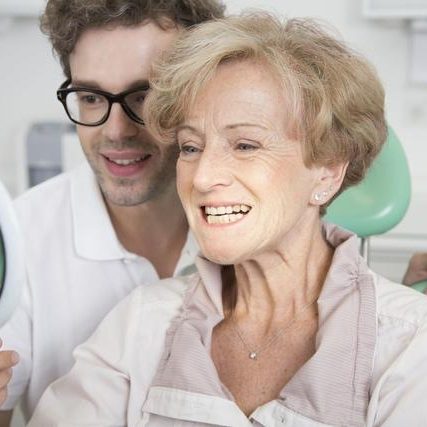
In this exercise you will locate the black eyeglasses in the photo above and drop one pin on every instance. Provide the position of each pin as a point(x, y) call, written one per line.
point(91, 107)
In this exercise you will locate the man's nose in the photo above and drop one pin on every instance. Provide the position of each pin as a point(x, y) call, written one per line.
point(119, 125)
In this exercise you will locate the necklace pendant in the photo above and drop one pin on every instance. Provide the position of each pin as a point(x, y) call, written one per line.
point(253, 355)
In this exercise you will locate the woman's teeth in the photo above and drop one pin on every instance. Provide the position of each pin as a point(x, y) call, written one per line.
point(221, 210)
point(223, 219)
point(225, 214)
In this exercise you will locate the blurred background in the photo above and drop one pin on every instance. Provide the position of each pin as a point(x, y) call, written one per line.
point(36, 140)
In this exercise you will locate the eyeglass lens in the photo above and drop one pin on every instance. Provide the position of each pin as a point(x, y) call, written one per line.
point(89, 108)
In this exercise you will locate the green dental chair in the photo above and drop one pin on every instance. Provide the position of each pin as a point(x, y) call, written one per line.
point(12, 268)
point(380, 201)
point(420, 286)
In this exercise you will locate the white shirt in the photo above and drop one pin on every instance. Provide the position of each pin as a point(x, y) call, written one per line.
point(77, 271)
point(149, 364)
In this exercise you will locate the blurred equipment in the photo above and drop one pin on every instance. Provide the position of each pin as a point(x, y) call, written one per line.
point(380, 201)
point(395, 9)
point(46, 149)
point(414, 11)
point(12, 267)
point(44, 154)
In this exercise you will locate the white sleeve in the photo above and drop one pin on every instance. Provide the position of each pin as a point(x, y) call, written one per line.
point(400, 397)
point(96, 390)
point(16, 335)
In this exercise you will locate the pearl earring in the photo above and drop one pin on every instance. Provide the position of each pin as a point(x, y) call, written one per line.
point(317, 197)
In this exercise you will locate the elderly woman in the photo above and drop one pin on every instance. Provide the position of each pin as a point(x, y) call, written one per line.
point(283, 324)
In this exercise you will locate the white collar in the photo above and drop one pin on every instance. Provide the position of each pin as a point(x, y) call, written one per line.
point(94, 235)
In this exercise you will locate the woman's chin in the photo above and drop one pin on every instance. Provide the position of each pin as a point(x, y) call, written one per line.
point(220, 255)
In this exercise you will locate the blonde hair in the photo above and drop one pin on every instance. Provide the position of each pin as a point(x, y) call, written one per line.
point(335, 97)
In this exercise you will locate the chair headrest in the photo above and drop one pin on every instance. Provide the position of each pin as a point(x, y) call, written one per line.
point(381, 200)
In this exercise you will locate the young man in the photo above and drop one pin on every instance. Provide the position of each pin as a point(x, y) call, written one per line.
point(95, 234)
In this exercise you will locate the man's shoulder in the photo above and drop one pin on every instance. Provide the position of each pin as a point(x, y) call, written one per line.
point(44, 201)
point(44, 193)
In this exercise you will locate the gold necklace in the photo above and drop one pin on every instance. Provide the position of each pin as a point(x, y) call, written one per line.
point(253, 354)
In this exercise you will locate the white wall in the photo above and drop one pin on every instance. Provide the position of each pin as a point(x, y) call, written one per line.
point(29, 76)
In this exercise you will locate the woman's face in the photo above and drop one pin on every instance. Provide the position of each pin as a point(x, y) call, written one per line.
point(241, 177)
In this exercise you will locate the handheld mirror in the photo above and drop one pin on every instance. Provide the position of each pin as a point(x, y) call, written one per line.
point(12, 268)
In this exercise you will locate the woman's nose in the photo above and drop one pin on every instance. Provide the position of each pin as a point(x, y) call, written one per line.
point(214, 169)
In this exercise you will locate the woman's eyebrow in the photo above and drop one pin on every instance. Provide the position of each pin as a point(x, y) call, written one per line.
point(192, 129)
point(232, 126)
point(244, 124)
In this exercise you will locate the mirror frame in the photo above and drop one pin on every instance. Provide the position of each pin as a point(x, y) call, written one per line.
point(13, 253)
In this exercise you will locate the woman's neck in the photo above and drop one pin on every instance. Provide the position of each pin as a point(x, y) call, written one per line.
point(276, 285)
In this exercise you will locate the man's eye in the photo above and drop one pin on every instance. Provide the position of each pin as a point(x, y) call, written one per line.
point(90, 99)
point(137, 98)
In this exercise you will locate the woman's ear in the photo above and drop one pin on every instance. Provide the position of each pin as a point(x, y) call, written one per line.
point(329, 182)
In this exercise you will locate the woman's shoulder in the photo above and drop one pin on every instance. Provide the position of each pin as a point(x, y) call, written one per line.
point(161, 295)
point(169, 289)
point(401, 329)
point(398, 386)
point(149, 305)
point(144, 316)
point(397, 303)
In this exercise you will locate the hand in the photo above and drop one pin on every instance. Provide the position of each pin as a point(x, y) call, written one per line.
point(8, 359)
point(417, 269)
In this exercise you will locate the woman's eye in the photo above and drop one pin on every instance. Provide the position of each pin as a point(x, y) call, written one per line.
point(188, 149)
point(246, 146)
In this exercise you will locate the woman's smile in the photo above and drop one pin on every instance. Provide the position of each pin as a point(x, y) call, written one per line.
point(225, 214)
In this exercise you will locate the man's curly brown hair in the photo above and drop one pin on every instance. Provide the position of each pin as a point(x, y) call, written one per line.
point(65, 20)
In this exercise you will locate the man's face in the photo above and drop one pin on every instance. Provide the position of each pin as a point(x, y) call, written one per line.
point(130, 165)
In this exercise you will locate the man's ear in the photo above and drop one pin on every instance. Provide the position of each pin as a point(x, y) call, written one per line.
point(329, 182)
